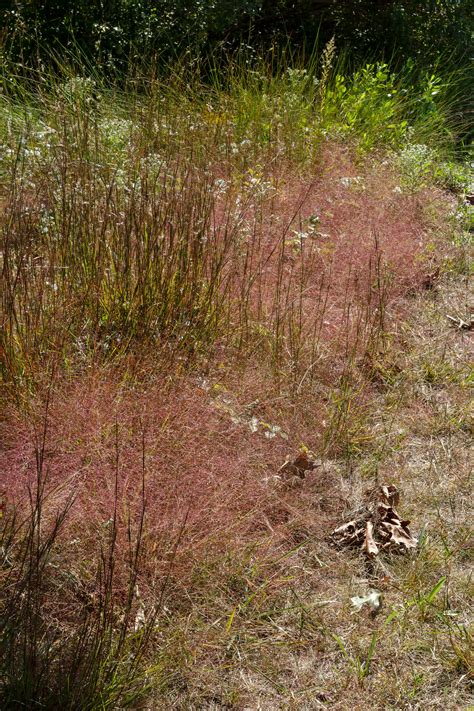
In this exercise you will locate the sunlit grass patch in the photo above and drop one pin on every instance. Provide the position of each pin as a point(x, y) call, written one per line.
point(201, 280)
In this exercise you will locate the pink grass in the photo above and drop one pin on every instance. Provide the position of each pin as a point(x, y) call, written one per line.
point(200, 466)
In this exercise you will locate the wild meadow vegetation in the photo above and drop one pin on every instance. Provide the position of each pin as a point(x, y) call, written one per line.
point(207, 269)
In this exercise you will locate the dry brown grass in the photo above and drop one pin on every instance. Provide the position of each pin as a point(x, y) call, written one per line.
point(257, 613)
point(270, 644)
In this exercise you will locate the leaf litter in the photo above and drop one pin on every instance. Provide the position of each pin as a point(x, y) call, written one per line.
point(298, 466)
point(376, 526)
point(373, 600)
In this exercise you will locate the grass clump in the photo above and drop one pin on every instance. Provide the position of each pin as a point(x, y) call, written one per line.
point(69, 641)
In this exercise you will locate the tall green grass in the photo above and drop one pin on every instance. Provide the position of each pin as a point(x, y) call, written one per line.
point(122, 209)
